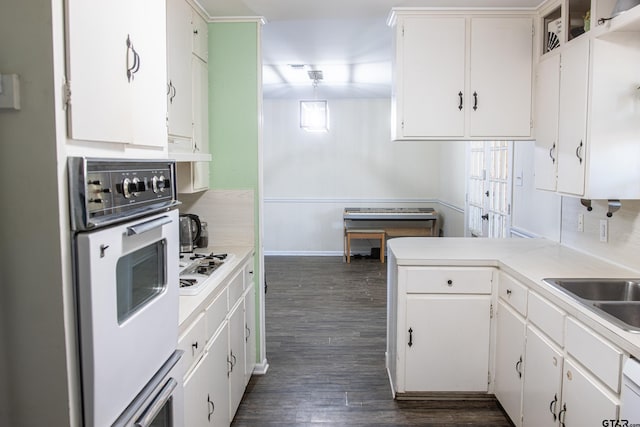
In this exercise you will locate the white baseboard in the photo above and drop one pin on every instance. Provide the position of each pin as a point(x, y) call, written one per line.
point(261, 368)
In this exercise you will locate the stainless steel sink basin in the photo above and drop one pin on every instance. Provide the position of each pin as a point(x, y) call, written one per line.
point(617, 300)
point(600, 289)
point(629, 313)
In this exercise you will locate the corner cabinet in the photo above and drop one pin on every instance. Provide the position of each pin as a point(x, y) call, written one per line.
point(461, 76)
point(116, 71)
point(442, 317)
point(586, 118)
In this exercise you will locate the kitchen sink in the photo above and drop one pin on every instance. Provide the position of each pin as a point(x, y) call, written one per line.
point(600, 289)
point(617, 300)
point(629, 313)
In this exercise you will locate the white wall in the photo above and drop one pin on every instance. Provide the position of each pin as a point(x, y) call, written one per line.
point(534, 212)
point(452, 187)
point(623, 245)
point(309, 178)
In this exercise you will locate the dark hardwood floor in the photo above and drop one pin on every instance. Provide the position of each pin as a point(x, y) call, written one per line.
point(326, 332)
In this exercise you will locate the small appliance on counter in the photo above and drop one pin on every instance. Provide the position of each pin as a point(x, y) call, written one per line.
point(190, 232)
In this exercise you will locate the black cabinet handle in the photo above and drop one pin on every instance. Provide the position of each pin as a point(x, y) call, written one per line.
point(460, 104)
point(518, 363)
point(562, 414)
point(410, 337)
point(450, 282)
point(194, 347)
point(552, 149)
point(212, 407)
point(246, 339)
point(475, 101)
point(579, 152)
point(552, 407)
point(485, 217)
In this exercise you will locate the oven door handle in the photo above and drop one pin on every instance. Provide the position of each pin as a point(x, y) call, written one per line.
point(143, 227)
point(158, 403)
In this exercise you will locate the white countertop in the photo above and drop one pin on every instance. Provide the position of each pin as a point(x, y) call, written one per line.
point(192, 305)
point(530, 261)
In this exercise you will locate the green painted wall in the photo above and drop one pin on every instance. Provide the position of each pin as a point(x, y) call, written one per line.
point(233, 105)
point(234, 116)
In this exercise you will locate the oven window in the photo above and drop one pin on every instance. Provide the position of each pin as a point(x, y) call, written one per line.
point(141, 276)
point(164, 417)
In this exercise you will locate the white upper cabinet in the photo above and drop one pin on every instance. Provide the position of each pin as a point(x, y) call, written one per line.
point(594, 140)
point(461, 76)
point(200, 35)
point(574, 77)
point(500, 76)
point(179, 85)
point(116, 71)
point(430, 94)
point(547, 113)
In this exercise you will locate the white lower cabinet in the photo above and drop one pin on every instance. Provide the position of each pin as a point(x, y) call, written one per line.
point(250, 330)
point(584, 401)
point(543, 381)
point(442, 334)
point(206, 393)
point(217, 373)
point(510, 334)
point(236, 357)
point(443, 331)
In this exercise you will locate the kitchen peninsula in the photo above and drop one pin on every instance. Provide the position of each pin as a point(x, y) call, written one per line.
point(459, 311)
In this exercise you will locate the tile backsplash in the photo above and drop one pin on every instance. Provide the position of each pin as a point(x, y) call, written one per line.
point(623, 229)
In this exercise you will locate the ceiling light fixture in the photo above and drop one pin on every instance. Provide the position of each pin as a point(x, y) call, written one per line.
point(316, 76)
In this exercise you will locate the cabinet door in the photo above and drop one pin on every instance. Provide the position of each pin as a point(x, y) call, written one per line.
point(237, 357)
point(219, 379)
point(572, 146)
point(542, 382)
point(546, 120)
point(198, 405)
point(447, 342)
point(577, 390)
point(97, 61)
point(149, 101)
point(431, 86)
point(179, 38)
point(509, 361)
point(250, 331)
point(200, 36)
point(499, 95)
point(200, 89)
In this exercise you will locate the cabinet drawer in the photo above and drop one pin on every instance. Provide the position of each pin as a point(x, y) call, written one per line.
point(216, 313)
point(192, 343)
point(596, 354)
point(513, 292)
point(449, 280)
point(547, 317)
point(236, 287)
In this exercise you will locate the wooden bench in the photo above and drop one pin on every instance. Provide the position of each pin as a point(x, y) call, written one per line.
point(363, 233)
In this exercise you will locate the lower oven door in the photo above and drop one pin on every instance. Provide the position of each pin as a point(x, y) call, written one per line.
point(161, 402)
point(127, 288)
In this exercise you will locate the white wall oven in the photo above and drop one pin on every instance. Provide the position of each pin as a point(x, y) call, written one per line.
point(126, 246)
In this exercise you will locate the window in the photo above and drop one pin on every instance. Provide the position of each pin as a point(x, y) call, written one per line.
point(314, 116)
point(489, 188)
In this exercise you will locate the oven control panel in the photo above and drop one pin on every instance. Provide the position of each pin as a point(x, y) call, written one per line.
point(104, 191)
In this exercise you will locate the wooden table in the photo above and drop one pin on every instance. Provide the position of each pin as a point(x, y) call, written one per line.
point(360, 223)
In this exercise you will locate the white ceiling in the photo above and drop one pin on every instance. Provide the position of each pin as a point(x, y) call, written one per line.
point(347, 39)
